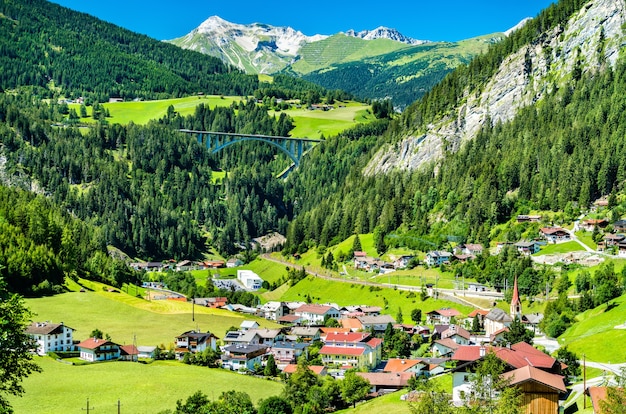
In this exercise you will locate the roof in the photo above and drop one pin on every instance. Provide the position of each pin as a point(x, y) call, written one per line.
point(374, 342)
point(347, 337)
point(199, 336)
point(289, 318)
point(351, 323)
point(305, 331)
point(518, 356)
point(45, 328)
point(497, 314)
point(448, 343)
point(291, 368)
point(267, 333)
point(449, 312)
point(94, 343)
point(389, 379)
point(245, 349)
point(455, 330)
point(290, 345)
point(341, 350)
point(129, 350)
point(552, 230)
point(334, 330)
point(360, 254)
point(528, 373)
point(400, 364)
point(376, 319)
point(314, 309)
point(478, 312)
point(597, 395)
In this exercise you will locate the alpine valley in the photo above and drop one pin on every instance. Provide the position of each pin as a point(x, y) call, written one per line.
point(261, 232)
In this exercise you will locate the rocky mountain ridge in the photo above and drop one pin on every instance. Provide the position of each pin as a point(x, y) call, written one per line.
point(521, 80)
point(263, 48)
point(382, 32)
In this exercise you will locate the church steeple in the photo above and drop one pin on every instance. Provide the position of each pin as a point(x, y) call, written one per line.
point(516, 304)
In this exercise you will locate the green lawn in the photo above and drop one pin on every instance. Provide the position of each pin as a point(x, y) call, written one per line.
point(125, 317)
point(314, 124)
point(585, 237)
point(570, 246)
point(143, 111)
point(595, 335)
point(140, 388)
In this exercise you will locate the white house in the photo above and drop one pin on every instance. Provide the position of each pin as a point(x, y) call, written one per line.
point(437, 257)
point(94, 349)
point(51, 337)
point(192, 341)
point(316, 314)
point(243, 357)
point(249, 279)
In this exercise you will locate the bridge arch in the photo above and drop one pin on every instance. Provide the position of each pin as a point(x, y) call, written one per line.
point(294, 148)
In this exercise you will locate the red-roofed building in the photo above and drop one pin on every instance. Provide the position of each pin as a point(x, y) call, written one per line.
point(353, 349)
point(94, 349)
point(516, 357)
point(597, 395)
point(555, 234)
point(129, 353)
point(442, 316)
point(316, 314)
point(395, 365)
point(540, 389)
point(351, 323)
point(318, 369)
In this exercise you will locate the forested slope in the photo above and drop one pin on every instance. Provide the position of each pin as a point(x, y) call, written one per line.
point(558, 154)
point(44, 44)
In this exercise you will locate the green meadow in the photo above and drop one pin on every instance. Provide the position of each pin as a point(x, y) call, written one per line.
point(140, 388)
point(126, 318)
point(595, 333)
point(140, 112)
point(308, 123)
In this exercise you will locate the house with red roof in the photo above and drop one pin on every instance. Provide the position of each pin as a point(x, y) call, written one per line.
point(536, 373)
point(555, 234)
point(317, 369)
point(352, 350)
point(442, 316)
point(129, 353)
point(314, 314)
point(95, 349)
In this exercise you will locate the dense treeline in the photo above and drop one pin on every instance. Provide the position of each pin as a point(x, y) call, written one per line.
point(150, 187)
point(42, 43)
point(41, 244)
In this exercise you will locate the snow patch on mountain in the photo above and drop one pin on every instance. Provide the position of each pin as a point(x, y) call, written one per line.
point(382, 32)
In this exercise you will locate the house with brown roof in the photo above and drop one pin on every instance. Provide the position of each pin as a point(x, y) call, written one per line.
point(95, 349)
point(496, 320)
point(444, 348)
point(540, 389)
point(51, 337)
point(243, 357)
point(555, 234)
point(377, 323)
point(192, 341)
point(384, 382)
point(458, 334)
point(129, 353)
point(590, 224)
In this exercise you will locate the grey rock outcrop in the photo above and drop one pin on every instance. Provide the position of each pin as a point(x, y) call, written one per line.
point(521, 80)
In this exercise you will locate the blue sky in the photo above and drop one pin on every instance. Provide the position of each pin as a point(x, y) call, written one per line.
point(426, 20)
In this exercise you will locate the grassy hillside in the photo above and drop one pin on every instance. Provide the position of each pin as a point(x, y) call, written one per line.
point(125, 317)
point(595, 333)
point(140, 388)
point(340, 49)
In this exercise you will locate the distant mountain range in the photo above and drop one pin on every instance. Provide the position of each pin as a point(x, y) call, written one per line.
point(375, 64)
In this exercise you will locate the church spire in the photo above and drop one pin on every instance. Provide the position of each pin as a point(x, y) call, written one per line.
point(516, 303)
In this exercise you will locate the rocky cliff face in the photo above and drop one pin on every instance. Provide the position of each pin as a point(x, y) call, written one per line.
point(521, 80)
point(385, 33)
